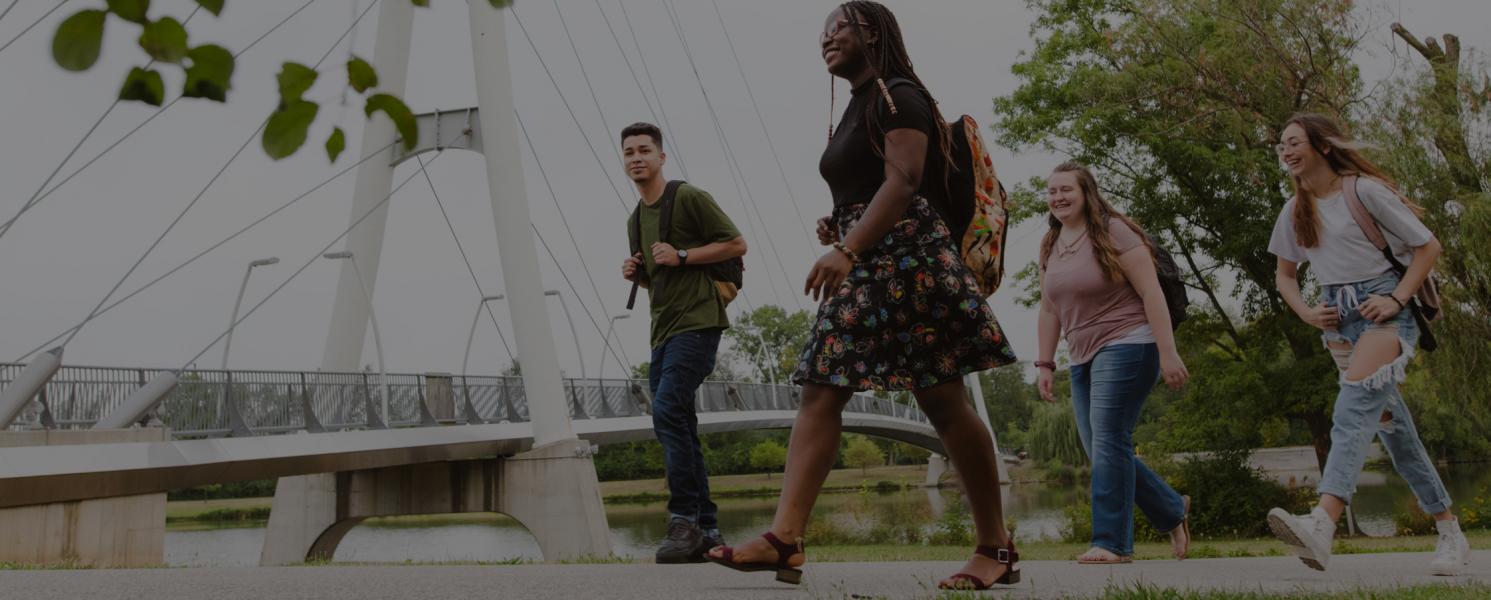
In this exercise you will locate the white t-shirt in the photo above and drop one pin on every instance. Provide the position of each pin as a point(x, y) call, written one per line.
point(1344, 254)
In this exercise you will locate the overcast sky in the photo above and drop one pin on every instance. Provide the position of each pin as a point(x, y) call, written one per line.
point(67, 253)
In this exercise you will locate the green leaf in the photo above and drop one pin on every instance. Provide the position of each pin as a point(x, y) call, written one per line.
point(143, 85)
point(78, 39)
point(164, 40)
point(294, 79)
point(421, 3)
point(361, 75)
point(501, 3)
point(287, 127)
point(400, 114)
point(213, 6)
point(131, 10)
point(211, 73)
point(335, 144)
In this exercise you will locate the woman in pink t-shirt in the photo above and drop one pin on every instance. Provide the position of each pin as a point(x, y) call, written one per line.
point(1100, 288)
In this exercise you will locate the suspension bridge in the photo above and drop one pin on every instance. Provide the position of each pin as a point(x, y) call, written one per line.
point(91, 451)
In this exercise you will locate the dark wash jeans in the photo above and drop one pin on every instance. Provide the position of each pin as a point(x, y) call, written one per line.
point(678, 367)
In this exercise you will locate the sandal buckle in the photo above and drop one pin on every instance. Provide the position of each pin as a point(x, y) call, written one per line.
point(1002, 555)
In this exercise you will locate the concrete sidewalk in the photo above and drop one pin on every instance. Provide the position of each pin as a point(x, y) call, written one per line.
point(1042, 579)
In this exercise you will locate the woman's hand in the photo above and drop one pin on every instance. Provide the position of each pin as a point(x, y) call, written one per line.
point(1323, 317)
point(1173, 370)
point(827, 234)
point(1380, 308)
point(827, 275)
point(1043, 382)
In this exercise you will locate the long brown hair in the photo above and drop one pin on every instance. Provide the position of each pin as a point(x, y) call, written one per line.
point(1344, 157)
point(888, 60)
point(1096, 211)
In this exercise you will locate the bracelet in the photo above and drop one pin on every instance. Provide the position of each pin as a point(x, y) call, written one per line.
point(847, 252)
point(1046, 364)
point(1401, 306)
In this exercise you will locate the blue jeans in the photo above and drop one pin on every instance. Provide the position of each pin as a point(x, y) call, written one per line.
point(1108, 394)
point(678, 367)
point(1360, 405)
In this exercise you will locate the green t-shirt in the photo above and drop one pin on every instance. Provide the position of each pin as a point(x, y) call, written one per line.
point(684, 299)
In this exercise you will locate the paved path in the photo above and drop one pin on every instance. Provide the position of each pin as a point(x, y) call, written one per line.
point(1042, 579)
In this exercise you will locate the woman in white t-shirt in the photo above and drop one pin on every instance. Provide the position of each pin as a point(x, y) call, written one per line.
point(1366, 324)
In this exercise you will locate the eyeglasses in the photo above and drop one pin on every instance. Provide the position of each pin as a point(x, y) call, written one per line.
point(837, 26)
point(1280, 148)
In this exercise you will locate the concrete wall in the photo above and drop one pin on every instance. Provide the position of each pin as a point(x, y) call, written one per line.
point(126, 531)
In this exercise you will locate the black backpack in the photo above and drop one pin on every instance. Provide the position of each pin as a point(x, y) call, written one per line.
point(1171, 283)
point(730, 272)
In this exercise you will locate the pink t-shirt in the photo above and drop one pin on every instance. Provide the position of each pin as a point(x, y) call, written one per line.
point(1093, 309)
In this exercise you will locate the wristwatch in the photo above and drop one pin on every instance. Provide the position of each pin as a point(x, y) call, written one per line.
point(683, 256)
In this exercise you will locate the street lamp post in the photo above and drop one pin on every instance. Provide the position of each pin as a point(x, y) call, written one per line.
point(607, 344)
point(580, 352)
point(373, 316)
point(472, 336)
point(233, 320)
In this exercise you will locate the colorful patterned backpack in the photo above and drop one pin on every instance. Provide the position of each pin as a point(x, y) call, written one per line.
point(976, 207)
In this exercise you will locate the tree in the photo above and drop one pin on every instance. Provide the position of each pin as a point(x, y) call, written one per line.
point(769, 340)
point(1177, 104)
point(768, 456)
point(208, 72)
point(1430, 127)
point(863, 453)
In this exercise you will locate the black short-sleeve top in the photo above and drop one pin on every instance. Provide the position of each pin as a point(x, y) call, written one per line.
point(849, 164)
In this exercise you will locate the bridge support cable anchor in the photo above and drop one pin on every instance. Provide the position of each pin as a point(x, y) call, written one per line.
point(140, 402)
point(237, 427)
point(25, 387)
point(308, 410)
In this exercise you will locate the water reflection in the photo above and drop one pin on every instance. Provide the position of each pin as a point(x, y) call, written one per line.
point(1037, 511)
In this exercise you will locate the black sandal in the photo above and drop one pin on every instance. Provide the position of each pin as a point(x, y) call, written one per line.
point(1004, 556)
point(785, 573)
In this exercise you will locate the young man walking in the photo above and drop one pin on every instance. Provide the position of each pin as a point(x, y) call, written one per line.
point(688, 316)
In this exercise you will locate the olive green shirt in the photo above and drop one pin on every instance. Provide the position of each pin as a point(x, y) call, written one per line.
point(683, 299)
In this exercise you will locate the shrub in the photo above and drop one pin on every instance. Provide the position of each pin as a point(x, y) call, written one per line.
point(1231, 499)
point(1053, 436)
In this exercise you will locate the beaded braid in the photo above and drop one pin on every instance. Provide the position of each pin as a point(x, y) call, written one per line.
point(889, 56)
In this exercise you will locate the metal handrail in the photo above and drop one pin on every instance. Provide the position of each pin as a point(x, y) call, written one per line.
point(216, 403)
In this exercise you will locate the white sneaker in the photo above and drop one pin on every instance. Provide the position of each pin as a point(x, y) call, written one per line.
point(1452, 553)
point(1308, 536)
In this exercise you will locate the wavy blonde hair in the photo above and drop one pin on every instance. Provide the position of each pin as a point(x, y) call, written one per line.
point(1096, 211)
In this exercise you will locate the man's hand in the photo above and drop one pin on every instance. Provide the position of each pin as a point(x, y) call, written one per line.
point(630, 266)
point(664, 254)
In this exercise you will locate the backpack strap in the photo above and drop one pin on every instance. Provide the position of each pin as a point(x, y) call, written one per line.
point(665, 218)
point(1367, 223)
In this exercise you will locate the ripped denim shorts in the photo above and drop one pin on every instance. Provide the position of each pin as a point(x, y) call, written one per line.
point(1347, 298)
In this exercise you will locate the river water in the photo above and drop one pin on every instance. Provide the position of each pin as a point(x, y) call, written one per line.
point(636, 528)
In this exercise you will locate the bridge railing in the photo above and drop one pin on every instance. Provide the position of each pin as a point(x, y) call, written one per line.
point(214, 403)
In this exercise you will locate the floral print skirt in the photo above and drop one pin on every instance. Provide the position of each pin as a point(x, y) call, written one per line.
point(909, 316)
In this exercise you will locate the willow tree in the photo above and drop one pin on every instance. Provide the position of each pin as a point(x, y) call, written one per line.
point(1177, 104)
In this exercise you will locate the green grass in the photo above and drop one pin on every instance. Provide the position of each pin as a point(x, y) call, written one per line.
point(1470, 591)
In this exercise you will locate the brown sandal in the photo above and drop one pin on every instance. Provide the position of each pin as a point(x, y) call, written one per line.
point(1004, 556)
point(785, 572)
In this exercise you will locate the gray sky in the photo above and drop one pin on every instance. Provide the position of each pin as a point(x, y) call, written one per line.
point(64, 255)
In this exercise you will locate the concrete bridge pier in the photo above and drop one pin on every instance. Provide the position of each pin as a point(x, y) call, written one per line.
point(550, 490)
point(936, 468)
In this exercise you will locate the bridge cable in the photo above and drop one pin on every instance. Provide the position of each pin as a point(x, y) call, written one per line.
point(792, 198)
point(620, 198)
point(379, 153)
point(544, 174)
point(729, 153)
point(479, 291)
point(642, 58)
point(13, 4)
point(563, 23)
point(35, 200)
point(32, 25)
point(30, 202)
point(199, 195)
point(312, 260)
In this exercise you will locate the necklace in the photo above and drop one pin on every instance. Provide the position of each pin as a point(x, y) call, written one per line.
point(1065, 249)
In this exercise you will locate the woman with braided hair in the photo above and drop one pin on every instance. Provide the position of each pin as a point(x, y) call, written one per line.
point(899, 309)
